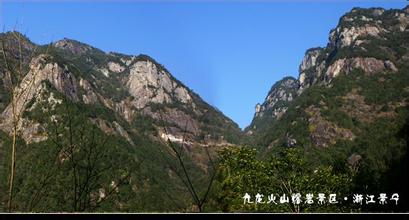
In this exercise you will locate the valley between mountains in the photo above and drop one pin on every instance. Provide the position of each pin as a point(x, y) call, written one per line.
point(82, 130)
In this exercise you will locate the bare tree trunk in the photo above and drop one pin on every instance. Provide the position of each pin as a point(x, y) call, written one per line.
point(16, 113)
point(198, 201)
point(13, 167)
point(14, 139)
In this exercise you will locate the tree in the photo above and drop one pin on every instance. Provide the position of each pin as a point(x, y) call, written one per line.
point(287, 174)
point(79, 170)
point(199, 199)
point(77, 167)
point(14, 74)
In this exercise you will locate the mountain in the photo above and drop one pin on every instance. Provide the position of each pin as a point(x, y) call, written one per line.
point(367, 40)
point(275, 105)
point(96, 131)
point(127, 85)
point(124, 109)
point(349, 106)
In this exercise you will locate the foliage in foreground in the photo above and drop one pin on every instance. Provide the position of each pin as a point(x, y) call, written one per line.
point(288, 174)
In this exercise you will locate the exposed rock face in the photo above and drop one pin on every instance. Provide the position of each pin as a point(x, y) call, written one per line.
point(281, 92)
point(147, 84)
point(125, 109)
point(370, 40)
point(111, 67)
point(63, 80)
point(310, 59)
point(10, 40)
point(309, 71)
point(72, 46)
point(32, 132)
point(182, 120)
point(129, 87)
point(171, 138)
point(355, 29)
point(346, 36)
point(258, 109)
point(324, 133)
point(90, 97)
point(403, 21)
point(127, 60)
point(115, 67)
point(274, 105)
point(361, 23)
point(150, 86)
point(354, 105)
point(31, 86)
point(121, 131)
point(104, 71)
point(368, 64)
point(378, 12)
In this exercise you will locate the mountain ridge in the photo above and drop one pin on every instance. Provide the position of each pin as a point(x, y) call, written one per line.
point(346, 111)
point(69, 96)
point(321, 64)
point(142, 67)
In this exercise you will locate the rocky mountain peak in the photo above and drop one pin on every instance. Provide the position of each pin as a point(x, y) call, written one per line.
point(129, 86)
point(351, 46)
point(41, 70)
point(74, 46)
point(307, 67)
point(364, 39)
point(281, 90)
point(149, 84)
point(12, 41)
point(310, 58)
point(274, 104)
point(16, 38)
point(372, 22)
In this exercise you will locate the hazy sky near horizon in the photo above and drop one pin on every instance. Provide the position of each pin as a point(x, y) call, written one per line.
point(229, 52)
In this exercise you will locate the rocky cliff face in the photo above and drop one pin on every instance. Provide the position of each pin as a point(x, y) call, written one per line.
point(130, 86)
point(368, 40)
point(30, 88)
point(308, 63)
point(275, 104)
point(126, 111)
point(350, 101)
point(147, 84)
point(73, 46)
point(352, 45)
point(351, 106)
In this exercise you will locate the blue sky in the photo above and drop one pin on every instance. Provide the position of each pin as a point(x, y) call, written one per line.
point(229, 52)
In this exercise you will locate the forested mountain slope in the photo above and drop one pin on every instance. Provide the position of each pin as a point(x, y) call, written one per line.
point(89, 122)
